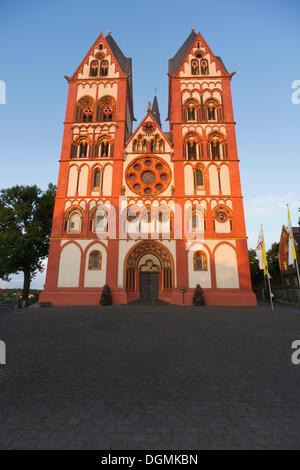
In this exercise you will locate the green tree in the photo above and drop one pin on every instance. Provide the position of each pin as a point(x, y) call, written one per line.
point(25, 227)
point(257, 278)
point(273, 263)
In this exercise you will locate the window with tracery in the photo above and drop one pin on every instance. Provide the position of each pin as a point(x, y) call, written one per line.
point(157, 144)
point(80, 148)
point(217, 147)
point(104, 147)
point(99, 220)
point(84, 109)
point(73, 221)
point(192, 148)
point(222, 214)
point(148, 175)
point(106, 109)
point(191, 111)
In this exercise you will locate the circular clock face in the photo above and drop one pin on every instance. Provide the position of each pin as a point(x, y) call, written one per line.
point(148, 176)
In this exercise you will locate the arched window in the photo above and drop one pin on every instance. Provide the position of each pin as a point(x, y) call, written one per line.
point(200, 261)
point(132, 214)
point(106, 109)
point(104, 147)
point(80, 148)
point(217, 147)
point(192, 148)
point(104, 68)
point(99, 220)
point(222, 214)
point(191, 111)
point(198, 178)
point(97, 179)
point(213, 110)
point(95, 260)
point(194, 67)
point(94, 68)
point(197, 221)
point(165, 218)
point(204, 66)
point(73, 221)
point(157, 144)
point(161, 146)
point(84, 109)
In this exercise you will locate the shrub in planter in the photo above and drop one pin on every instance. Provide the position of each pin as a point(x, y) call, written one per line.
point(105, 298)
point(198, 298)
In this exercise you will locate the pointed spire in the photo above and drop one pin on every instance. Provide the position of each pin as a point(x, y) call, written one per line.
point(155, 110)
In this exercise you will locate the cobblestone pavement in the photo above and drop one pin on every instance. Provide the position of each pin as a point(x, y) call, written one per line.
point(143, 377)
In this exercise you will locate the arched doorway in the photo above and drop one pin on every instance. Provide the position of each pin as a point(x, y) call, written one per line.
point(149, 270)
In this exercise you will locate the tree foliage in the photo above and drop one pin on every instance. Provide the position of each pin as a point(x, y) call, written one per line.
point(273, 263)
point(105, 298)
point(257, 278)
point(25, 227)
point(198, 297)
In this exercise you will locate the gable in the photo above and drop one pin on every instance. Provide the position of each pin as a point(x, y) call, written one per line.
point(104, 60)
point(195, 59)
point(144, 133)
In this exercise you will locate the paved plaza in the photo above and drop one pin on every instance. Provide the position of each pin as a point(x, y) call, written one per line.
point(150, 377)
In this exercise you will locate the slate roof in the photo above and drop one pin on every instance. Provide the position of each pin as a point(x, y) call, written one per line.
point(124, 62)
point(176, 61)
point(222, 63)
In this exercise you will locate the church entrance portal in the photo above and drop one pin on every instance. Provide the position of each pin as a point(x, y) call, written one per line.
point(149, 270)
point(149, 285)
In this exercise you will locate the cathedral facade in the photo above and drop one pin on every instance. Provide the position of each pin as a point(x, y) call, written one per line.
point(149, 213)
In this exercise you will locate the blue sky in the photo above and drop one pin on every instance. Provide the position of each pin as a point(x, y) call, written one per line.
point(259, 40)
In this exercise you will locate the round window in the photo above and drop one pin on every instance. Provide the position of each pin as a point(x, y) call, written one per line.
point(221, 216)
point(148, 176)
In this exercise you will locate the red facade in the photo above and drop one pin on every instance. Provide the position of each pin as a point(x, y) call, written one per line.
point(149, 212)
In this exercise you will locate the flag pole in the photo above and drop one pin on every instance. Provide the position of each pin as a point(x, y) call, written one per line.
point(267, 269)
point(292, 235)
point(271, 295)
point(297, 268)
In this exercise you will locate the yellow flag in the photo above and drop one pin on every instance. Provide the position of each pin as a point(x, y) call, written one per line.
point(261, 252)
point(264, 257)
point(292, 250)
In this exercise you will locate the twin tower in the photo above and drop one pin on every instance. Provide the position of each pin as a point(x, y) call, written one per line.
point(149, 213)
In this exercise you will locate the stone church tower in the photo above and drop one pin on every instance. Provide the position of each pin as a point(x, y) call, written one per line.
point(150, 213)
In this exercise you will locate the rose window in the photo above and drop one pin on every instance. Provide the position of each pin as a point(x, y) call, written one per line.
point(148, 176)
